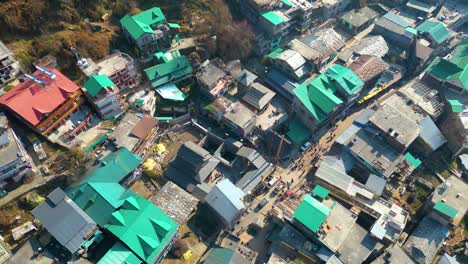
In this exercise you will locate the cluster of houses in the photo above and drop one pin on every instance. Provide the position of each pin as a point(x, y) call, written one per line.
point(320, 75)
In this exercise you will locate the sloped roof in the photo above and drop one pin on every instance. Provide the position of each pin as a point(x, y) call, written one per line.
point(258, 95)
point(324, 42)
point(371, 45)
point(142, 129)
point(311, 213)
point(436, 29)
point(119, 254)
point(431, 134)
point(100, 193)
point(426, 239)
point(96, 83)
point(142, 227)
point(320, 191)
point(368, 67)
point(33, 102)
point(64, 220)
point(246, 77)
point(359, 17)
point(292, 58)
point(168, 72)
point(141, 23)
point(274, 17)
point(454, 69)
point(226, 199)
point(320, 95)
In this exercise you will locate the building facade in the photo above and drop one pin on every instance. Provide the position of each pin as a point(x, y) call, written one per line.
point(104, 96)
point(9, 66)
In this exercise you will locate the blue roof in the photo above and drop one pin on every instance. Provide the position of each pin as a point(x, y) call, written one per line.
point(233, 193)
point(396, 19)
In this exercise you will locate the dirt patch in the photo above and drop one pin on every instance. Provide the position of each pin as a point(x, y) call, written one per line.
point(173, 141)
point(197, 247)
point(143, 188)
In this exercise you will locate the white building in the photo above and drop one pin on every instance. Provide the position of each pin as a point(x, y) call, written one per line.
point(226, 200)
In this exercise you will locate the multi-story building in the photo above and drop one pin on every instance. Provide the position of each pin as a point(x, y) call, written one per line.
point(214, 79)
point(318, 101)
point(118, 67)
point(14, 161)
point(104, 96)
point(327, 9)
point(44, 101)
point(276, 20)
point(9, 66)
point(148, 31)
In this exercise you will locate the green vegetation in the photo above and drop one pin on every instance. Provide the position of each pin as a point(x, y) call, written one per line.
point(8, 87)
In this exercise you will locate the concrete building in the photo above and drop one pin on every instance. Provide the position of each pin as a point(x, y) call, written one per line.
point(104, 96)
point(148, 31)
point(426, 240)
point(318, 101)
point(327, 9)
point(355, 21)
point(450, 200)
point(9, 66)
point(394, 29)
point(45, 101)
point(368, 68)
point(14, 161)
point(275, 20)
point(213, 78)
point(258, 96)
point(394, 255)
point(67, 222)
point(170, 72)
point(119, 67)
point(293, 64)
point(133, 131)
point(233, 114)
point(227, 201)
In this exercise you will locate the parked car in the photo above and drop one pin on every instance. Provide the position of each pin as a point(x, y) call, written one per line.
point(272, 183)
point(262, 204)
point(306, 146)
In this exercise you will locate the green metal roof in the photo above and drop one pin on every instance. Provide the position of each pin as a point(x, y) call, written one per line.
point(446, 209)
point(275, 53)
point(455, 69)
point(297, 132)
point(412, 160)
point(411, 30)
point(171, 71)
point(287, 3)
point(456, 105)
point(221, 255)
point(119, 254)
point(320, 191)
point(345, 77)
point(273, 17)
point(435, 29)
point(100, 193)
point(141, 23)
point(142, 227)
point(173, 25)
point(311, 213)
point(96, 83)
point(167, 57)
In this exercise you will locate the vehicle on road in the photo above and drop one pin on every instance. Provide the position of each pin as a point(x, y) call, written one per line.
point(306, 146)
point(279, 187)
point(272, 183)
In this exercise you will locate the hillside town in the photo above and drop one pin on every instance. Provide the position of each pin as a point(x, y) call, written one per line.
point(338, 137)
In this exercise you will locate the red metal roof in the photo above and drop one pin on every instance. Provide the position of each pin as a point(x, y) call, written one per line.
point(144, 126)
point(33, 101)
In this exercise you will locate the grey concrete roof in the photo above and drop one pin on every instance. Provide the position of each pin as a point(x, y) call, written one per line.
point(293, 58)
point(64, 220)
point(431, 134)
point(376, 183)
point(341, 221)
point(392, 121)
point(426, 239)
point(449, 191)
point(359, 17)
point(357, 246)
point(332, 171)
point(258, 96)
point(306, 51)
point(210, 74)
point(394, 255)
point(121, 133)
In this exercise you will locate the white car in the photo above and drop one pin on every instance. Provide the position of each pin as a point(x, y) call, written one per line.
point(306, 146)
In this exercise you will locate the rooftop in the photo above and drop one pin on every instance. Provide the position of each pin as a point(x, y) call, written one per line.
point(359, 17)
point(142, 227)
point(224, 255)
point(96, 83)
point(275, 17)
point(143, 22)
point(296, 240)
point(453, 192)
point(426, 240)
point(446, 209)
point(258, 95)
point(311, 213)
point(122, 132)
point(321, 192)
point(371, 45)
point(64, 220)
point(119, 254)
point(453, 69)
point(109, 65)
point(324, 42)
point(337, 226)
point(169, 72)
point(175, 202)
point(292, 58)
point(233, 111)
point(394, 255)
point(246, 78)
point(368, 67)
point(393, 23)
point(435, 29)
point(358, 245)
point(226, 199)
point(210, 74)
point(427, 98)
point(34, 101)
point(306, 51)
point(396, 124)
point(10, 149)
